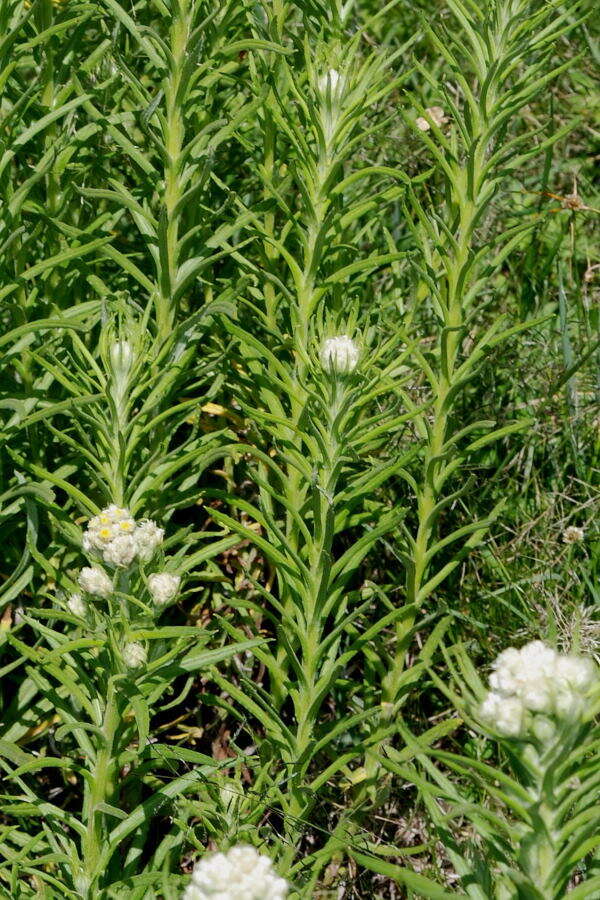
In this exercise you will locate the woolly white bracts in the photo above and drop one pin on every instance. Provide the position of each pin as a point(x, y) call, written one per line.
point(339, 355)
point(134, 655)
point(119, 539)
point(163, 587)
point(121, 358)
point(95, 581)
point(536, 680)
point(148, 536)
point(77, 605)
point(240, 874)
point(330, 81)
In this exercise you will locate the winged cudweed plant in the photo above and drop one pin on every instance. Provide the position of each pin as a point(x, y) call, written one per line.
point(321, 391)
point(536, 815)
point(101, 662)
point(499, 56)
point(227, 233)
point(182, 113)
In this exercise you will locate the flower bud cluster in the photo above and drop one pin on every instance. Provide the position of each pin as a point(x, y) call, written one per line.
point(339, 355)
point(240, 874)
point(121, 358)
point(119, 539)
point(533, 682)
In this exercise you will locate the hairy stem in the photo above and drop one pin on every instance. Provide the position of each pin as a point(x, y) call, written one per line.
point(102, 788)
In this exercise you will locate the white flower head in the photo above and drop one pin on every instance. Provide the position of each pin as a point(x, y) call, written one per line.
point(95, 581)
point(121, 551)
point(240, 874)
point(505, 714)
point(163, 587)
point(77, 605)
point(568, 704)
point(537, 679)
point(148, 536)
point(115, 536)
point(111, 523)
point(537, 698)
point(134, 655)
point(572, 534)
point(339, 355)
point(577, 671)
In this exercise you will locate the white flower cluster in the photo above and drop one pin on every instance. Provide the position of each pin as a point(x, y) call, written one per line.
point(119, 539)
point(240, 874)
point(339, 355)
point(536, 680)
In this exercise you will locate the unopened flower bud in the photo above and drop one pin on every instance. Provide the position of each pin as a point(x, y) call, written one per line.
point(544, 729)
point(148, 537)
point(505, 714)
point(94, 580)
point(77, 605)
point(163, 587)
point(134, 655)
point(331, 80)
point(121, 358)
point(121, 551)
point(339, 355)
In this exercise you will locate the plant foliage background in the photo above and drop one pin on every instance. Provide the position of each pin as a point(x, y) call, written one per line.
point(220, 188)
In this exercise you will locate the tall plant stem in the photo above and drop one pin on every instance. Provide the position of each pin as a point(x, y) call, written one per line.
point(174, 137)
point(306, 700)
point(305, 298)
point(469, 197)
point(102, 787)
point(433, 465)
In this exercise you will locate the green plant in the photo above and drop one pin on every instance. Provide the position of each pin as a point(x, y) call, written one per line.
point(536, 823)
point(289, 279)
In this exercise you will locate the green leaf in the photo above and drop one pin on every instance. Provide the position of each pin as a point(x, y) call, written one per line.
point(423, 886)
